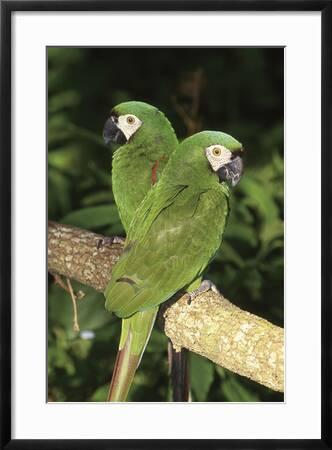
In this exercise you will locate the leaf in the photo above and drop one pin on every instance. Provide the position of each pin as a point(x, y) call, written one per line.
point(91, 311)
point(87, 135)
point(241, 213)
point(97, 198)
point(157, 341)
point(100, 394)
point(64, 100)
point(59, 358)
point(253, 282)
point(202, 374)
point(227, 253)
point(235, 391)
point(241, 232)
point(220, 371)
point(272, 231)
point(257, 197)
point(59, 191)
point(94, 217)
point(81, 348)
point(115, 230)
point(67, 159)
point(58, 129)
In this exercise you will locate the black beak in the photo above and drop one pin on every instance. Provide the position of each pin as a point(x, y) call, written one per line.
point(112, 133)
point(231, 171)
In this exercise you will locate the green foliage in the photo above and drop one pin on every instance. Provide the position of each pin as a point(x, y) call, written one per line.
point(243, 96)
point(201, 376)
point(93, 217)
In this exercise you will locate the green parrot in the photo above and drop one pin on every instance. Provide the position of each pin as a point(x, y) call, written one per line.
point(147, 139)
point(175, 232)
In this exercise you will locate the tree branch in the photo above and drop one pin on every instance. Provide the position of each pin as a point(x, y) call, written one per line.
point(210, 326)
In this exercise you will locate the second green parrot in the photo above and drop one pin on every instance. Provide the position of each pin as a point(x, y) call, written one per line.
point(178, 227)
point(147, 140)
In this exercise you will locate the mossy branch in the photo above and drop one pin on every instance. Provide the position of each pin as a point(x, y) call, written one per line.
point(210, 325)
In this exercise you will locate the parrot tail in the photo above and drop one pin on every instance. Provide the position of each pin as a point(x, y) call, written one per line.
point(135, 334)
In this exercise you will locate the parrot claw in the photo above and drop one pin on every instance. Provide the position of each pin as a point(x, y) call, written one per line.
point(109, 241)
point(205, 286)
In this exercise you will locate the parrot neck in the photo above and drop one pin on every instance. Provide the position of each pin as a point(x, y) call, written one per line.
point(194, 177)
point(225, 189)
point(193, 169)
point(133, 174)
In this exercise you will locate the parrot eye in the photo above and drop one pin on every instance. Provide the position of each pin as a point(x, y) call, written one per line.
point(130, 120)
point(216, 151)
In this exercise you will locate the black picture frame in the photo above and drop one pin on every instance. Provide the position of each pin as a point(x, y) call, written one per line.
point(7, 8)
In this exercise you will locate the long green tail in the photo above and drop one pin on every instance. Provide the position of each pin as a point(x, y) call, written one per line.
point(135, 334)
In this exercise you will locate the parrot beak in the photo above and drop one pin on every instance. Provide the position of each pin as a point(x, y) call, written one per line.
point(112, 132)
point(232, 171)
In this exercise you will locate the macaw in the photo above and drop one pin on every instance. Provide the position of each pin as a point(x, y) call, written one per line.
point(173, 236)
point(147, 140)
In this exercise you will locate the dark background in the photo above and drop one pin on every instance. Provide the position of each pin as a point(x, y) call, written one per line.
point(238, 91)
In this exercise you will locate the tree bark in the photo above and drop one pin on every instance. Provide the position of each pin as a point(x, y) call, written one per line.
point(210, 325)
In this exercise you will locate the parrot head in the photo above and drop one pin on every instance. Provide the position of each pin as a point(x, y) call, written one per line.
point(215, 152)
point(133, 118)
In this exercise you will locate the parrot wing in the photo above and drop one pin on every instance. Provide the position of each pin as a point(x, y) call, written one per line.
point(145, 215)
point(176, 238)
point(149, 209)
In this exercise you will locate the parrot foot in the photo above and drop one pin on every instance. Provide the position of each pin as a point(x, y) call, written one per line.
point(205, 286)
point(109, 241)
